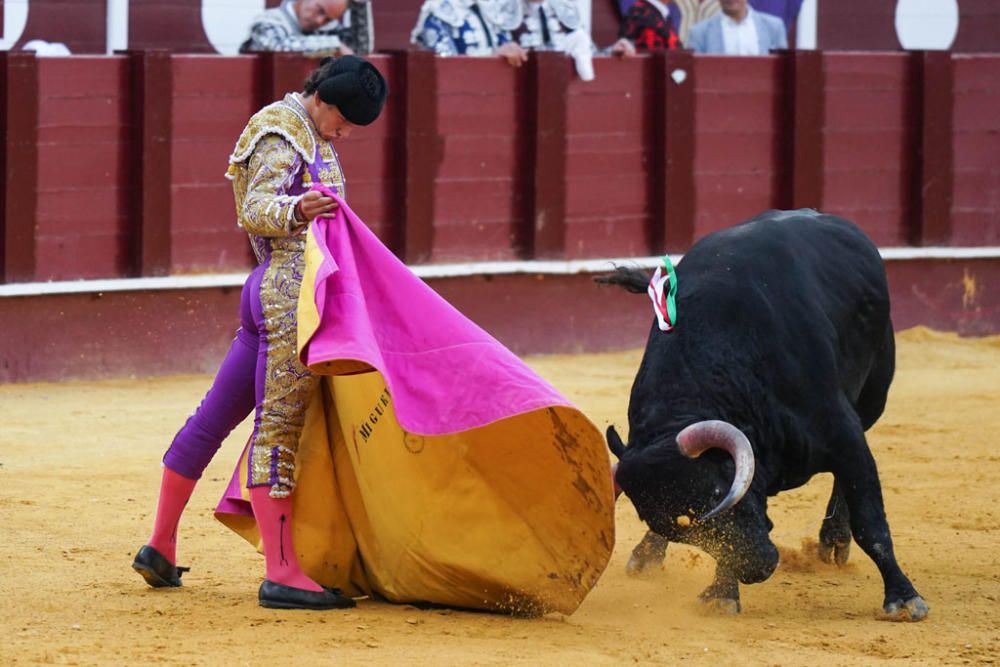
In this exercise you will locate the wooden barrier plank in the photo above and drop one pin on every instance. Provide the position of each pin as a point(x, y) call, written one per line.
point(484, 157)
point(872, 108)
point(213, 98)
point(421, 152)
point(975, 213)
point(19, 146)
point(152, 123)
point(808, 117)
point(280, 73)
point(934, 158)
point(545, 200)
point(739, 138)
point(607, 153)
point(206, 207)
point(672, 222)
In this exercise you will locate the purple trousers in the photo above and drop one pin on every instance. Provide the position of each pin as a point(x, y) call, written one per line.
point(238, 388)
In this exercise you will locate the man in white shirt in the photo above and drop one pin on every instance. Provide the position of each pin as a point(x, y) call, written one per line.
point(738, 31)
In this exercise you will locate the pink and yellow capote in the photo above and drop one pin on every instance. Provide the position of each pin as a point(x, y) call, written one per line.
point(434, 465)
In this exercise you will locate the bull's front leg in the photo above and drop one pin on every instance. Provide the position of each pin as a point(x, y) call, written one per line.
point(647, 555)
point(857, 477)
point(723, 595)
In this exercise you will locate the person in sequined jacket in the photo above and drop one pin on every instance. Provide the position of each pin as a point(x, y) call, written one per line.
point(314, 28)
point(470, 28)
point(285, 149)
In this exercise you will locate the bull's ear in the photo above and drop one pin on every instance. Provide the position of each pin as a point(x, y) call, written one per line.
point(615, 443)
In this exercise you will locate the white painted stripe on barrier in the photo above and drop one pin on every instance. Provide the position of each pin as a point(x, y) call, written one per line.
point(124, 284)
point(939, 253)
point(431, 271)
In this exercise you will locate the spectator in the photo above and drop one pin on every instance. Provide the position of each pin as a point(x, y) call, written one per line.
point(313, 27)
point(738, 31)
point(470, 28)
point(647, 26)
point(555, 25)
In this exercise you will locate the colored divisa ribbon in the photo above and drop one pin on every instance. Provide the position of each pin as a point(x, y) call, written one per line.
point(663, 291)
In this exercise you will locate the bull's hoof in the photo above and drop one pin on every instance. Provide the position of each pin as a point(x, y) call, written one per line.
point(834, 552)
point(640, 566)
point(914, 609)
point(722, 597)
point(647, 556)
point(721, 606)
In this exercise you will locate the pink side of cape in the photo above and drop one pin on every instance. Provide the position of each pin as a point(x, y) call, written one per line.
point(444, 373)
point(232, 501)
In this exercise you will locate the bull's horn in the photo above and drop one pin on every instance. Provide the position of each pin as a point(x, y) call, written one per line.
point(615, 443)
point(693, 440)
point(614, 480)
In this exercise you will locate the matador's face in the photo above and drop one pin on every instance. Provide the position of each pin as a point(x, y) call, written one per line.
point(330, 123)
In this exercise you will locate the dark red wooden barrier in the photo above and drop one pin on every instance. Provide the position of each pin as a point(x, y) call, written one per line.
point(150, 243)
point(545, 158)
point(975, 213)
point(869, 141)
point(113, 166)
point(739, 139)
point(82, 189)
point(477, 189)
point(212, 100)
point(933, 184)
point(806, 107)
point(608, 155)
point(671, 171)
point(19, 162)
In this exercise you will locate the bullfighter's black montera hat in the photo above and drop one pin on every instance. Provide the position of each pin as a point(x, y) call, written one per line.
point(356, 88)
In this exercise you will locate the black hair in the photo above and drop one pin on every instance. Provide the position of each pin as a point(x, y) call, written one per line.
point(324, 71)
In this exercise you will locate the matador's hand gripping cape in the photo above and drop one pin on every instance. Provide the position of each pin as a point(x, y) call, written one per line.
point(435, 465)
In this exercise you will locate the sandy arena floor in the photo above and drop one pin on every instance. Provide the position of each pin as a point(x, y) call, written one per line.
point(79, 474)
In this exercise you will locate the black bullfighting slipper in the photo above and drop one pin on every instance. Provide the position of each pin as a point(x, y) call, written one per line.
point(279, 596)
point(156, 569)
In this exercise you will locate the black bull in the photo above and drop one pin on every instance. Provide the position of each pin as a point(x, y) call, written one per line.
point(782, 332)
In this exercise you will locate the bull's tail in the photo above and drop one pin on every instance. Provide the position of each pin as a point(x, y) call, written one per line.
point(629, 278)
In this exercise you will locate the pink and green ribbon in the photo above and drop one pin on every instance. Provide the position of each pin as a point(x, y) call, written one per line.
point(663, 291)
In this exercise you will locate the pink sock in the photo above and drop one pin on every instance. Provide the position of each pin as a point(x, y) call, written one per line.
point(175, 490)
point(274, 520)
